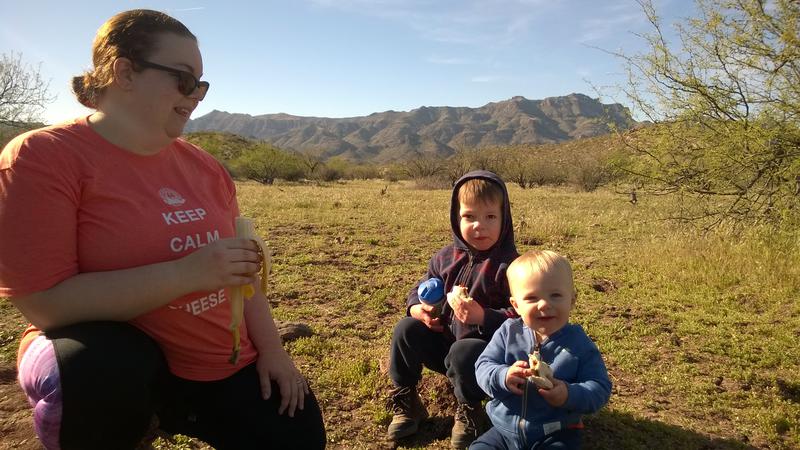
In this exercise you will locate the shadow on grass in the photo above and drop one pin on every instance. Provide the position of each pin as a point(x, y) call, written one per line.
point(614, 430)
point(432, 429)
point(604, 431)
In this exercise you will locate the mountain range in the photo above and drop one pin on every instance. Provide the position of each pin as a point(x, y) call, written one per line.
point(434, 131)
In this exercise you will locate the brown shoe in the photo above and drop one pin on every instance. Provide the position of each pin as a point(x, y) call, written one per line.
point(470, 422)
point(408, 411)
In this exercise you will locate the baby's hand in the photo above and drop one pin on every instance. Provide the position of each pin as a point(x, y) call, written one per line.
point(556, 396)
point(517, 376)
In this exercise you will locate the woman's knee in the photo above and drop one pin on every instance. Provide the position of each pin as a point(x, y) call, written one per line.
point(40, 380)
point(256, 423)
point(109, 373)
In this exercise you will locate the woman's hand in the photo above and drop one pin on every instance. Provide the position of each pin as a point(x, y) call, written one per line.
point(422, 312)
point(517, 376)
point(226, 262)
point(278, 366)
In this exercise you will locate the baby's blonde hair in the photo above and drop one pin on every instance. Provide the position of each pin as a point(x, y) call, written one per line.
point(539, 261)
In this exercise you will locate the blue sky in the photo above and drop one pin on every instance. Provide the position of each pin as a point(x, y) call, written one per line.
point(345, 58)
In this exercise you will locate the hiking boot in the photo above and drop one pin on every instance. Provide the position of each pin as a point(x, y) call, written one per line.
point(470, 422)
point(408, 412)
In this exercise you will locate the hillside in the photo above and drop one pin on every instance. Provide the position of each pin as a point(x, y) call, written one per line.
point(435, 131)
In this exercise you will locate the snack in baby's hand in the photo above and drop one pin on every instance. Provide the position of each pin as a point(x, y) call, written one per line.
point(460, 293)
point(542, 373)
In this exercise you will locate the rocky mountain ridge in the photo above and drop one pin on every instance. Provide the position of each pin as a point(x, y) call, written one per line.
point(435, 131)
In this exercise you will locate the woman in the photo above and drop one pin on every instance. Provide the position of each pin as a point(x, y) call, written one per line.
point(116, 243)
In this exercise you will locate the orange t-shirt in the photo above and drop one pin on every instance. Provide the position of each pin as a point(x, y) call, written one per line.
point(71, 202)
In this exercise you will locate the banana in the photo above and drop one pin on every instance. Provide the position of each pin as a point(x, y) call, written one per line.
point(245, 229)
point(542, 373)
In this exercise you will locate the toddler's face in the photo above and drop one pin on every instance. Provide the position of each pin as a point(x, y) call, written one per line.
point(480, 223)
point(543, 299)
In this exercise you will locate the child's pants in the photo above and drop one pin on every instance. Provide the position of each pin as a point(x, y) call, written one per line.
point(560, 440)
point(415, 345)
point(97, 385)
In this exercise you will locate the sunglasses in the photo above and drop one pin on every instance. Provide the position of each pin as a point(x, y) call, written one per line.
point(187, 83)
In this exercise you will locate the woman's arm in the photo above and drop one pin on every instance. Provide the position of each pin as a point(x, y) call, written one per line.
point(122, 295)
point(260, 325)
point(274, 363)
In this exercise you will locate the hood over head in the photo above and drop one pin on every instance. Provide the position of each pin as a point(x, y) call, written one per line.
point(505, 242)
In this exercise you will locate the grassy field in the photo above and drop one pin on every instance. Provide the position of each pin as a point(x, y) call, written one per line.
point(699, 331)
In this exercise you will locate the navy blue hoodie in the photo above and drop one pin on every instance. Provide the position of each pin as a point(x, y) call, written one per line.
point(482, 272)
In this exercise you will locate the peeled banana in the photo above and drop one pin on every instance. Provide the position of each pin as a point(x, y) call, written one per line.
point(245, 229)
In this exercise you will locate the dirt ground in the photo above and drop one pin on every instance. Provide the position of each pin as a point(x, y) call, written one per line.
point(16, 423)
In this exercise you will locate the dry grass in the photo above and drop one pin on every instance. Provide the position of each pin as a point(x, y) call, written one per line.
point(699, 331)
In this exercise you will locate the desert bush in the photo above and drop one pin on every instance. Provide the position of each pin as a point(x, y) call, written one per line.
point(392, 173)
point(363, 172)
point(727, 108)
point(433, 182)
point(264, 163)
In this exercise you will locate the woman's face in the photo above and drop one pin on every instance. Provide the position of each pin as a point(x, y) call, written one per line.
point(163, 108)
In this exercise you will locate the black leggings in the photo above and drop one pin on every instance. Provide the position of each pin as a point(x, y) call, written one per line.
point(114, 380)
point(231, 414)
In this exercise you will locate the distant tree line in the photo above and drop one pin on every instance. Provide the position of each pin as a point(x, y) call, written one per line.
point(585, 163)
point(265, 163)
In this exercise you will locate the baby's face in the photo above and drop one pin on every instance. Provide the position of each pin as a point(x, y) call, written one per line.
point(543, 299)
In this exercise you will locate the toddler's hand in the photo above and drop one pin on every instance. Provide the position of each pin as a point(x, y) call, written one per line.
point(469, 312)
point(226, 262)
point(556, 396)
point(422, 312)
point(517, 376)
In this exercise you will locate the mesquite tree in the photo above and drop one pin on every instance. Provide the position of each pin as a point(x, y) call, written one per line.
point(726, 108)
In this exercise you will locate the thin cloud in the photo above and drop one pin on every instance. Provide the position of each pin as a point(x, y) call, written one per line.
point(475, 22)
point(448, 61)
point(487, 79)
point(618, 16)
point(597, 29)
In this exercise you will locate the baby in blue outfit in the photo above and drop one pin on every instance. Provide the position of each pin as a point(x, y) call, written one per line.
point(525, 416)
